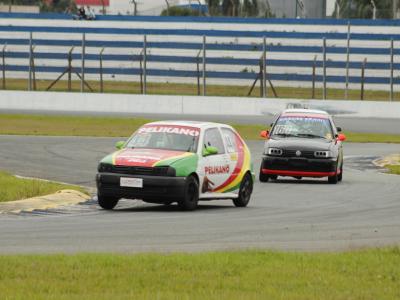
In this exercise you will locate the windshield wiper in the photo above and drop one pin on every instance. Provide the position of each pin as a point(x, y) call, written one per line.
point(284, 134)
point(311, 135)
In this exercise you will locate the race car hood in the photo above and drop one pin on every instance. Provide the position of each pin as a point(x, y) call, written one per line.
point(299, 144)
point(145, 157)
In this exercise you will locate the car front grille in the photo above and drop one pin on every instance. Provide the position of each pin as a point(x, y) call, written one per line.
point(292, 153)
point(135, 170)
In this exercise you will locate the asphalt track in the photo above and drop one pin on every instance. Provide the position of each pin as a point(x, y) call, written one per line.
point(307, 215)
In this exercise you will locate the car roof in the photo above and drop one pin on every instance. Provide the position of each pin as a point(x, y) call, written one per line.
point(305, 113)
point(196, 124)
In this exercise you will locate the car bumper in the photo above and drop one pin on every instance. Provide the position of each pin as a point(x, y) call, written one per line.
point(299, 167)
point(155, 188)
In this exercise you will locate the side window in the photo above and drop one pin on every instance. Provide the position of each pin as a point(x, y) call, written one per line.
point(212, 137)
point(230, 140)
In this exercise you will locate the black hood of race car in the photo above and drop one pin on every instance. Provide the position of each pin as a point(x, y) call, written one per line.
point(298, 143)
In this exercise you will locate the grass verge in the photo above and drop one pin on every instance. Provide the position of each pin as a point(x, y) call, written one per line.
point(191, 89)
point(13, 188)
point(393, 169)
point(52, 125)
point(369, 274)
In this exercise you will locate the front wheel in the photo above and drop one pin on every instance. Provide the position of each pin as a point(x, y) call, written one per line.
point(340, 176)
point(245, 190)
point(334, 179)
point(263, 177)
point(191, 195)
point(107, 203)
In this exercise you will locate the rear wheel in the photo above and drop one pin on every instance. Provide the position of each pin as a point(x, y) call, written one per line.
point(191, 194)
point(245, 190)
point(107, 203)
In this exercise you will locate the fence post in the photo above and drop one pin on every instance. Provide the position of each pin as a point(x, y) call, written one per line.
point(313, 77)
point(324, 69)
point(144, 65)
point(204, 66)
point(363, 66)
point(346, 93)
point(30, 63)
point(141, 70)
point(70, 69)
point(198, 72)
point(261, 76)
point(83, 63)
point(101, 71)
point(33, 70)
point(4, 66)
point(264, 67)
point(391, 68)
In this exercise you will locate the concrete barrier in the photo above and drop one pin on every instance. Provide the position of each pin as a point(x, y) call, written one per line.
point(187, 105)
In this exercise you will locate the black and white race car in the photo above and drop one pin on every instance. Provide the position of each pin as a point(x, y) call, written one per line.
point(303, 143)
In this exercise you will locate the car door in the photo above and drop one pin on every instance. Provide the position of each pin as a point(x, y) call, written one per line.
point(214, 169)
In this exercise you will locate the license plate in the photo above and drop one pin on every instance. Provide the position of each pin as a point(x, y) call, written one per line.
point(131, 182)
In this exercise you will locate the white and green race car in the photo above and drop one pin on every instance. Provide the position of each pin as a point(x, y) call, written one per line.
point(177, 161)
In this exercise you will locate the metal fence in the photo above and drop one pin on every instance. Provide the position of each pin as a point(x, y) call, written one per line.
point(203, 68)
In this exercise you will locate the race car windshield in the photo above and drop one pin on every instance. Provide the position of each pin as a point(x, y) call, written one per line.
point(307, 127)
point(180, 138)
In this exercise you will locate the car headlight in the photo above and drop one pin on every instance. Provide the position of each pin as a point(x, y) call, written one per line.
point(323, 154)
point(274, 151)
point(104, 167)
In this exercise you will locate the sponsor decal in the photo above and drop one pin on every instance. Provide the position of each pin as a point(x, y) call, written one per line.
point(217, 169)
point(207, 185)
point(145, 158)
point(191, 131)
point(242, 165)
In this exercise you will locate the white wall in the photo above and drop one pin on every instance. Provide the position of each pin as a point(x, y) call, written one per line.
point(189, 105)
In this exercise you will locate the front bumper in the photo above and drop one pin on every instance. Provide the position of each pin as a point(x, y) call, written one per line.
point(298, 167)
point(155, 188)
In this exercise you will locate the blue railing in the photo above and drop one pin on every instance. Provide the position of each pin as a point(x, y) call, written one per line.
point(252, 65)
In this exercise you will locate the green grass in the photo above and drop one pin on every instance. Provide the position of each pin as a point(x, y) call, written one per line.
point(393, 169)
point(12, 188)
point(191, 89)
point(368, 274)
point(53, 125)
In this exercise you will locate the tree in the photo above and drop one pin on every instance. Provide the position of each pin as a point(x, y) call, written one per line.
point(363, 9)
point(230, 8)
point(213, 7)
point(250, 8)
point(58, 6)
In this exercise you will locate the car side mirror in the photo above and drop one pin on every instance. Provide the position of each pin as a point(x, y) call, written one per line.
point(119, 145)
point(210, 150)
point(264, 134)
point(339, 129)
point(341, 137)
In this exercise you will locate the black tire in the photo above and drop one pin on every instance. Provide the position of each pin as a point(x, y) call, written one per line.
point(340, 176)
point(245, 190)
point(335, 178)
point(263, 177)
point(107, 203)
point(190, 198)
